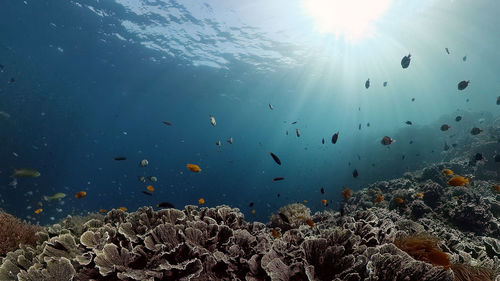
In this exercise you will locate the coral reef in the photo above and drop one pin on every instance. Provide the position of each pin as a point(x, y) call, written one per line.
point(14, 232)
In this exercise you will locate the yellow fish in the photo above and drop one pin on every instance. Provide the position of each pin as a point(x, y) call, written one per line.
point(193, 168)
point(123, 209)
point(448, 172)
point(56, 196)
point(201, 201)
point(26, 173)
point(38, 211)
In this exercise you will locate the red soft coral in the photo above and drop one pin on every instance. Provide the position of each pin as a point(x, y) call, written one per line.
point(423, 247)
point(14, 232)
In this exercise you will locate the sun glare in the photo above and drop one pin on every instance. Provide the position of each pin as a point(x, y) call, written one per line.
point(352, 19)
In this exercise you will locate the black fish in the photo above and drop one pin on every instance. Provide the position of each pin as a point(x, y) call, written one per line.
point(467, 100)
point(409, 123)
point(386, 140)
point(411, 142)
point(385, 83)
point(278, 195)
point(322, 191)
point(498, 100)
point(278, 179)
point(12, 80)
point(405, 61)
point(120, 158)
point(335, 137)
point(447, 51)
point(276, 159)
point(458, 118)
point(165, 205)
point(286, 132)
point(294, 122)
point(445, 127)
point(167, 123)
point(323, 141)
point(497, 158)
point(464, 58)
point(284, 218)
point(368, 124)
point(475, 131)
point(1, 67)
point(367, 83)
point(478, 157)
point(454, 145)
point(412, 99)
point(403, 157)
point(250, 205)
point(462, 85)
point(359, 127)
point(355, 173)
point(147, 193)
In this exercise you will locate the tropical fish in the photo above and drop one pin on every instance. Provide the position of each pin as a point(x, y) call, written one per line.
point(123, 209)
point(409, 123)
point(250, 205)
point(355, 173)
point(322, 190)
point(309, 222)
point(230, 140)
point(147, 193)
point(253, 212)
point(271, 106)
point(80, 194)
point(464, 58)
point(38, 211)
point(212, 120)
point(102, 211)
point(193, 168)
point(496, 188)
point(284, 218)
point(458, 181)
point(165, 205)
point(218, 143)
point(323, 141)
point(448, 172)
point(150, 188)
point(153, 179)
point(144, 163)
point(405, 61)
point(120, 158)
point(399, 200)
point(167, 123)
point(387, 140)
point(142, 179)
point(475, 131)
point(367, 83)
point(294, 122)
point(56, 196)
point(412, 99)
point(462, 85)
point(498, 100)
point(335, 137)
point(379, 198)
point(447, 51)
point(458, 118)
point(385, 83)
point(275, 233)
point(347, 193)
point(26, 173)
point(420, 195)
point(201, 201)
point(275, 158)
point(445, 127)
point(278, 179)
point(324, 202)
point(297, 132)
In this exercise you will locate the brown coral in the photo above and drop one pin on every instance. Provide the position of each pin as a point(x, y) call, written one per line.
point(14, 232)
point(464, 272)
point(423, 247)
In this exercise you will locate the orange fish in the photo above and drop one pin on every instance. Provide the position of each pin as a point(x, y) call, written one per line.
point(193, 168)
point(305, 201)
point(448, 172)
point(80, 194)
point(399, 200)
point(324, 202)
point(253, 212)
point(150, 188)
point(496, 188)
point(123, 209)
point(102, 211)
point(38, 211)
point(275, 233)
point(379, 198)
point(420, 195)
point(347, 193)
point(458, 181)
point(310, 222)
point(201, 201)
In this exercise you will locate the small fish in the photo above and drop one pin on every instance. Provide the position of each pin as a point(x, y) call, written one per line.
point(80, 194)
point(147, 193)
point(275, 158)
point(165, 205)
point(323, 141)
point(12, 80)
point(284, 218)
point(347, 193)
point(275, 233)
point(496, 188)
point(102, 211)
point(387, 140)
point(403, 157)
point(445, 127)
point(212, 120)
point(379, 198)
point(278, 195)
point(464, 58)
point(123, 209)
point(324, 202)
point(13, 183)
point(498, 100)
point(478, 157)
point(167, 123)
point(230, 140)
point(458, 118)
point(150, 188)
point(447, 51)
point(278, 179)
point(411, 142)
point(458, 181)
point(201, 201)
point(385, 84)
point(271, 106)
point(409, 123)
point(193, 168)
point(144, 163)
point(367, 83)
point(297, 132)
point(322, 190)
point(475, 131)
point(405, 61)
point(253, 212)
point(355, 173)
point(251, 204)
point(412, 99)
point(120, 158)
point(399, 200)
point(56, 196)
point(335, 137)
point(218, 143)
point(4, 114)
point(359, 126)
point(142, 179)
point(26, 173)
point(286, 133)
point(153, 179)
point(420, 195)
point(463, 84)
point(368, 124)
point(294, 122)
point(309, 222)
point(38, 211)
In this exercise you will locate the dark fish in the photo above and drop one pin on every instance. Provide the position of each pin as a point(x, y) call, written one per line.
point(250, 205)
point(167, 123)
point(463, 84)
point(359, 127)
point(278, 195)
point(1, 67)
point(165, 205)
point(355, 173)
point(412, 99)
point(447, 51)
point(147, 193)
point(359, 157)
point(322, 190)
point(497, 158)
point(445, 127)
point(454, 145)
point(323, 141)
point(464, 58)
point(12, 80)
point(467, 100)
point(411, 142)
point(368, 124)
point(335, 137)
point(409, 123)
point(403, 157)
point(367, 83)
point(284, 218)
point(405, 61)
point(478, 157)
point(276, 159)
point(278, 179)
point(458, 118)
point(446, 146)
point(387, 140)
point(120, 158)
point(385, 83)
point(475, 131)
point(294, 122)
point(286, 132)
point(297, 132)
point(498, 100)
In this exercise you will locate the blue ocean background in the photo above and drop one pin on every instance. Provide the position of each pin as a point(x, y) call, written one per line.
point(96, 79)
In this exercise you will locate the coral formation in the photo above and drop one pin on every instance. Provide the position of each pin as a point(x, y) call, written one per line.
point(14, 232)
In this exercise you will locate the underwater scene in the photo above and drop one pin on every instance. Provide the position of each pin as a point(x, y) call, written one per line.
point(250, 140)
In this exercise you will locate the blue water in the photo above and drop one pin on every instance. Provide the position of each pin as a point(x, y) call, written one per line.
point(95, 79)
